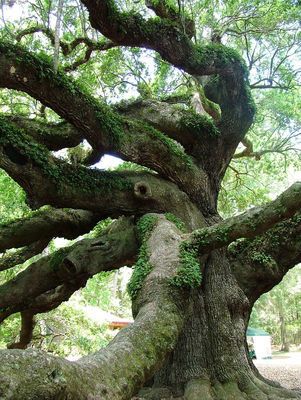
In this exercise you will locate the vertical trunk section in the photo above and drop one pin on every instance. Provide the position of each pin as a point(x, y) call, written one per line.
point(210, 360)
point(212, 344)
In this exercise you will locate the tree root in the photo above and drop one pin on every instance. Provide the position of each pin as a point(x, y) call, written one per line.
point(246, 388)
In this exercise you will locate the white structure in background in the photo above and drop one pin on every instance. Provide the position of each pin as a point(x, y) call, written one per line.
point(260, 341)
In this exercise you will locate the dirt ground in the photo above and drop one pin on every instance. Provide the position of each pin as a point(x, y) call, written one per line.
point(284, 368)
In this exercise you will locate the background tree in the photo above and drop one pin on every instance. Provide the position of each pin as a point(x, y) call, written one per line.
point(279, 311)
point(191, 294)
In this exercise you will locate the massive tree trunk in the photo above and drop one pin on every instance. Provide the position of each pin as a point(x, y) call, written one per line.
point(210, 360)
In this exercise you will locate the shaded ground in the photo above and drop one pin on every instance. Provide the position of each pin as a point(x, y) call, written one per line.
point(284, 368)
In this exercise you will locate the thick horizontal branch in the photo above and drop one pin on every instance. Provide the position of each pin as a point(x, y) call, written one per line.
point(48, 180)
point(17, 257)
point(106, 130)
point(46, 224)
point(114, 248)
point(249, 224)
point(261, 263)
point(55, 136)
point(196, 133)
point(119, 370)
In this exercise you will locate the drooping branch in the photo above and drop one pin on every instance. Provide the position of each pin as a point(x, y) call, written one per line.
point(49, 223)
point(114, 248)
point(261, 263)
point(106, 130)
point(249, 224)
point(11, 259)
point(27, 327)
point(117, 371)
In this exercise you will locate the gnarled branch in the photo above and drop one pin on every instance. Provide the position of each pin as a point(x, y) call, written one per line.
point(122, 366)
point(55, 136)
point(68, 48)
point(230, 90)
point(106, 130)
point(48, 180)
point(261, 263)
point(68, 223)
point(114, 248)
point(249, 224)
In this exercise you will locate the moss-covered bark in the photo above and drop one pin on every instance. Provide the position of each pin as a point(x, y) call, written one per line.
point(68, 223)
point(115, 247)
point(131, 358)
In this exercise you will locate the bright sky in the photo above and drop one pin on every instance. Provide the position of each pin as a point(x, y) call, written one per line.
point(108, 162)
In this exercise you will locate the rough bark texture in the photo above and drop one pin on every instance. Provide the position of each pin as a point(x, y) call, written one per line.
point(115, 247)
point(121, 367)
point(192, 296)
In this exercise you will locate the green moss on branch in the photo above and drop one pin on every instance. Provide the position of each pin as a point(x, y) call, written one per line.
point(219, 55)
point(19, 146)
point(111, 123)
point(177, 221)
point(189, 271)
point(142, 267)
point(199, 124)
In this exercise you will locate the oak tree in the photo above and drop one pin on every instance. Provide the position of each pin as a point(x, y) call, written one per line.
point(196, 276)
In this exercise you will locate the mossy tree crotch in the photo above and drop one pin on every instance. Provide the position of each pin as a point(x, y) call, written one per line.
point(192, 294)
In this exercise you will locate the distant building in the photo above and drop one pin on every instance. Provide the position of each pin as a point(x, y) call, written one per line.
point(259, 341)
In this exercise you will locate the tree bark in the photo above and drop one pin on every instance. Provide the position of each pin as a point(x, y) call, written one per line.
point(117, 371)
point(210, 360)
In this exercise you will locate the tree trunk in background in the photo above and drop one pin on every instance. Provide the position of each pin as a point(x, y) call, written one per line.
point(283, 333)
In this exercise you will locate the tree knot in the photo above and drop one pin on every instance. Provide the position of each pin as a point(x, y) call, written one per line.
point(142, 190)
